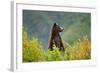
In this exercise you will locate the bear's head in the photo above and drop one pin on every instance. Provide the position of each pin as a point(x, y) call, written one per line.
point(56, 28)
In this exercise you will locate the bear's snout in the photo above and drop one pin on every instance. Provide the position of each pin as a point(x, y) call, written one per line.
point(61, 29)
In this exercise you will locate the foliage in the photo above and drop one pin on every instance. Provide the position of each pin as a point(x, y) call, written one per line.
point(33, 50)
point(80, 50)
point(54, 55)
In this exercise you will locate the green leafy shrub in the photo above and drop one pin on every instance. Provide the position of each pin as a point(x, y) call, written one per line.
point(33, 50)
point(54, 55)
point(80, 50)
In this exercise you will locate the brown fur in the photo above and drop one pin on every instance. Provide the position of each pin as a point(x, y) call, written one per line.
point(56, 38)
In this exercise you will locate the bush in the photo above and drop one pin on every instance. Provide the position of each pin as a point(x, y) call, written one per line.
point(80, 50)
point(54, 55)
point(33, 50)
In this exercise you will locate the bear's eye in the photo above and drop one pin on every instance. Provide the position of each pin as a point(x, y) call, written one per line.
point(57, 27)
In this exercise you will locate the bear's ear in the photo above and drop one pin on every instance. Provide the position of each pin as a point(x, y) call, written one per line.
point(55, 24)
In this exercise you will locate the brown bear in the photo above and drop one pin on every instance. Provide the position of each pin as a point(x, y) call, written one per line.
point(56, 38)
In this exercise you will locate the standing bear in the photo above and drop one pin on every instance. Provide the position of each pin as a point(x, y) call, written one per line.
point(55, 37)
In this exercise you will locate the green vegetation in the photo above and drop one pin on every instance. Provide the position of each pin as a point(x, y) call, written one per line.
point(34, 51)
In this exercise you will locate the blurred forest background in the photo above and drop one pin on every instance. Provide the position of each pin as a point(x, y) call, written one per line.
point(38, 24)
